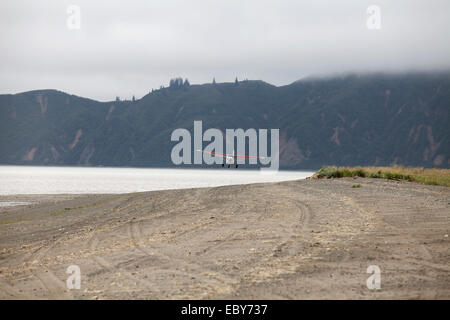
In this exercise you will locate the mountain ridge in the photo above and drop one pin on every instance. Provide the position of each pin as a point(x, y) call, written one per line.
point(377, 119)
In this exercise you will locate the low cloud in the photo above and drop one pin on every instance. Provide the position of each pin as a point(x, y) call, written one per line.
point(125, 48)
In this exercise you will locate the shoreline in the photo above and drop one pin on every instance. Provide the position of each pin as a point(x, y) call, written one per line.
point(301, 239)
point(111, 181)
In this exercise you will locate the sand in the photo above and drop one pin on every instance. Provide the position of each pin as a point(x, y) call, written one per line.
point(306, 239)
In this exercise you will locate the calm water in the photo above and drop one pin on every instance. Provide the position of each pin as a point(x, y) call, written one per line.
point(59, 180)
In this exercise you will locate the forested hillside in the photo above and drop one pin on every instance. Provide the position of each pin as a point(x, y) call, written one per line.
point(349, 120)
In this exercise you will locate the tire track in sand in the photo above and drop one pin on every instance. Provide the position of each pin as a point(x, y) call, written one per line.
point(55, 287)
point(110, 267)
point(135, 233)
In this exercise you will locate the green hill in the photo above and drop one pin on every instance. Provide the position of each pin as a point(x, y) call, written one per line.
point(349, 120)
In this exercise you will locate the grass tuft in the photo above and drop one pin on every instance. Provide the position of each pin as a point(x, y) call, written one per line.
point(440, 177)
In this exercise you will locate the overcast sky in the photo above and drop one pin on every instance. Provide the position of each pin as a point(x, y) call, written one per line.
point(129, 47)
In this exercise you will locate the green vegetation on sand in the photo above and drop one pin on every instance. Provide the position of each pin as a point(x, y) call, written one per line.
point(439, 177)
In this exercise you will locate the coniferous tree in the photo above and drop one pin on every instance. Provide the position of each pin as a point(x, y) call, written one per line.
point(176, 83)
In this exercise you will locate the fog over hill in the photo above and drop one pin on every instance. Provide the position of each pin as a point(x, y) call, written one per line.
point(373, 119)
point(103, 48)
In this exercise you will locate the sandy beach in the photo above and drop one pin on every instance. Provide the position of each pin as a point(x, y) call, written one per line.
point(305, 239)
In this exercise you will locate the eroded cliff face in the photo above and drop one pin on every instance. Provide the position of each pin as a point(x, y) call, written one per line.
point(290, 153)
